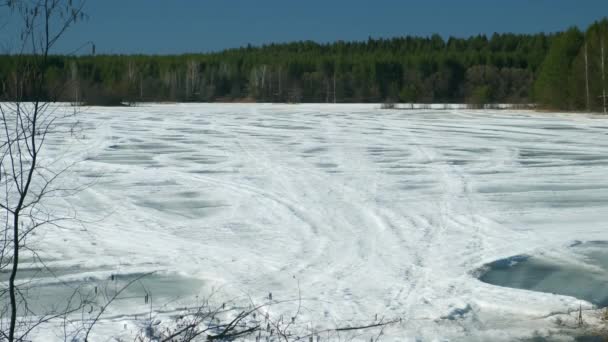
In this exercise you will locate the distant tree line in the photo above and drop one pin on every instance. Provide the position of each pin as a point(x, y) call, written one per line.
point(548, 69)
point(573, 75)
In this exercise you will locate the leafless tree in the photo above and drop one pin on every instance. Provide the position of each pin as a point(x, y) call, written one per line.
point(26, 123)
point(603, 63)
point(588, 102)
point(74, 78)
point(192, 78)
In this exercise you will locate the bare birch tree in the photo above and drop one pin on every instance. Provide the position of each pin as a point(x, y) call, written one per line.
point(588, 101)
point(26, 122)
point(603, 68)
point(192, 78)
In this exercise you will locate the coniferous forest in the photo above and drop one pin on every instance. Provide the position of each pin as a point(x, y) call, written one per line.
point(564, 71)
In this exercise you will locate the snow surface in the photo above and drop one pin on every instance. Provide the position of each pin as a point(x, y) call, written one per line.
point(387, 212)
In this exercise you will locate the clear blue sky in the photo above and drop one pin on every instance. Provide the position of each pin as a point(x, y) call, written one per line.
point(179, 26)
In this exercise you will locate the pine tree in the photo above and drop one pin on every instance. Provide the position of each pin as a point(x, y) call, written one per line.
point(553, 88)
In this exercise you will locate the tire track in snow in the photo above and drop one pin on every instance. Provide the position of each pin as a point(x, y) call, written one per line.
point(340, 269)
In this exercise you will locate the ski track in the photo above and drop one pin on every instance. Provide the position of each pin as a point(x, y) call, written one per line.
point(371, 211)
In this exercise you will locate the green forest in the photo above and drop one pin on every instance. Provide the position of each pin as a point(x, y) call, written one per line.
point(563, 71)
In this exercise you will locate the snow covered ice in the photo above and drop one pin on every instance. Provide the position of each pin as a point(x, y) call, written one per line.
point(387, 212)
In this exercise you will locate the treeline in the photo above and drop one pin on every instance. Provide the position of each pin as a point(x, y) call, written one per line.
point(573, 75)
point(503, 68)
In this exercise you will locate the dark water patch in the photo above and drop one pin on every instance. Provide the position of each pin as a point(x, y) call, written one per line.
point(93, 175)
point(536, 153)
point(200, 122)
point(194, 142)
point(584, 278)
point(458, 162)
point(39, 272)
point(154, 118)
point(566, 336)
point(198, 131)
point(131, 130)
point(217, 147)
point(592, 243)
point(464, 132)
point(379, 129)
point(156, 183)
point(586, 164)
point(535, 163)
point(458, 313)
point(124, 159)
point(376, 151)
point(400, 172)
point(474, 150)
point(488, 136)
point(152, 147)
point(561, 164)
point(211, 172)
point(194, 158)
point(189, 194)
point(590, 338)
point(173, 138)
point(388, 160)
point(583, 157)
point(47, 297)
point(207, 161)
point(315, 150)
point(326, 165)
point(400, 155)
point(559, 128)
point(409, 187)
point(542, 155)
point(286, 127)
point(276, 140)
point(536, 187)
point(541, 200)
point(187, 207)
point(256, 135)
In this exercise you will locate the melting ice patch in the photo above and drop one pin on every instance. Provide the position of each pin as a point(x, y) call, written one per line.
point(583, 276)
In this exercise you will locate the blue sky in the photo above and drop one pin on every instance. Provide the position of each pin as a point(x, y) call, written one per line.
point(180, 26)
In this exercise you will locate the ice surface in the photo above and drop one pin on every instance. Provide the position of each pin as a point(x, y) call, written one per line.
point(387, 212)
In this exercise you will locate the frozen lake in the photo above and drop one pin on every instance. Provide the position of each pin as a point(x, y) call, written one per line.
point(387, 212)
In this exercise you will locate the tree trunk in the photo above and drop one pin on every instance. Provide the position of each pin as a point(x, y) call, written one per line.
point(587, 78)
point(603, 77)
